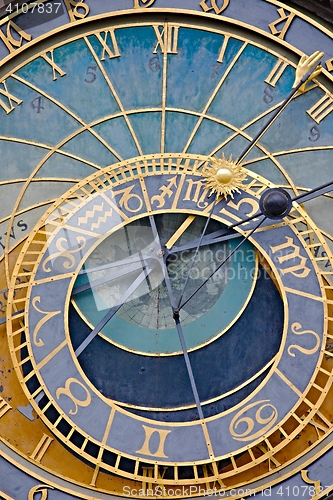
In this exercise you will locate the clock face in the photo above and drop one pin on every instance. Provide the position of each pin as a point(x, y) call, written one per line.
point(148, 346)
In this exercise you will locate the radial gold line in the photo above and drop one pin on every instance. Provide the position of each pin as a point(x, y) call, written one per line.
point(213, 95)
point(302, 150)
point(51, 355)
point(115, 95)
point(207, 439)
point(114, 206)
point(54, 278)
point(268, 156)
point(46, 146)
point(287, 381)
point(101, 449)
point(244, 127)
point(77, 230)
point(20, 197)
point(180, 231)
point(304, 294)
point(164, 95)
point(178, 191)
point(86, 126)
point(145, 194)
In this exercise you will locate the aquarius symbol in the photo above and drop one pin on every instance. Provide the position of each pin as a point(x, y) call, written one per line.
point(90, 214)
point(96, 225)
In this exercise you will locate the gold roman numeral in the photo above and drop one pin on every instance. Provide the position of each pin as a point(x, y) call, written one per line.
point(167, 38)
point(321, 109)
point(320, 423)
point(329, 64)
point(8, 107)
point(55, 68)
point(223, 49)
point(41, 448)
point(271, 460)
point(149, 473)
point(111, 50)
point(12, 43)
point(4, 407)
point(276, 73)
point(284, 18)
point(207, 471)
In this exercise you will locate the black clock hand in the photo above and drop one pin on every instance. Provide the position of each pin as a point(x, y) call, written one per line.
point(215, 237)
point(225, 235)
point(176, 318)
point(195, 255)
point(310, 195)
point(142, 276)
point(176, 312)
point(304, 70)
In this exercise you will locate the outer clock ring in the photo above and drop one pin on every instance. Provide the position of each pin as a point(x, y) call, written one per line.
point(281, 43)
point(66, 388)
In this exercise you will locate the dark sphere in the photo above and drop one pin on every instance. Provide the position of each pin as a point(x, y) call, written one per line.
point(275, 203)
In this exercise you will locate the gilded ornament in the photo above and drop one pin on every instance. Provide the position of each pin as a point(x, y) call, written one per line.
point(224, 176)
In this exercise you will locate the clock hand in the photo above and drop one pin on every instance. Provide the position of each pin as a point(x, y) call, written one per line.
point(123, 262)
point(310, 195)
point(195, 255)
point(137, 282)
point(306, 66)
point(176, 312)
point(176, 318)
point(215, 237)
point(105, 279)
point(224, 235)
point(275, 203)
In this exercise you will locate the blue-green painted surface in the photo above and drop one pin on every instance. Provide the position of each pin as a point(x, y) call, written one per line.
point(228, 294)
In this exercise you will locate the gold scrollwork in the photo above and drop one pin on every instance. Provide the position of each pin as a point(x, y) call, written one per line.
point(73, 7)
point(295, 327)
point(67, 391)
point(149, 431)
point(65, 253)
point(266, 422)
point(47, 315)
point(166, 191)
point(218, 10)
point(9, 40)
point(292, 255)
point(286, 18)
point(128, 200)
point(143, 4)
point(316, 484)
point(41, 488)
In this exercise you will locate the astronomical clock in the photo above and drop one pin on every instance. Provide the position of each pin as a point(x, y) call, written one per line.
point(166, 237)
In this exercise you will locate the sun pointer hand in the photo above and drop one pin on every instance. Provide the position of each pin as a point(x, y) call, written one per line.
point(306, 68)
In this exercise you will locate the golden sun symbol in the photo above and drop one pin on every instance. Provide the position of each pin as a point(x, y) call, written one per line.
point(224, 176)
